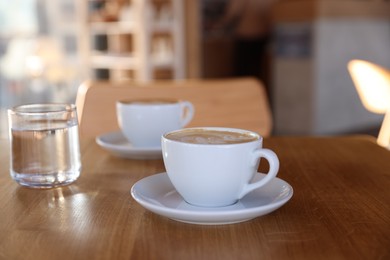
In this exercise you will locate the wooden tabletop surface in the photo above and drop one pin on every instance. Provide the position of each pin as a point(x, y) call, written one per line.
point(340, 210)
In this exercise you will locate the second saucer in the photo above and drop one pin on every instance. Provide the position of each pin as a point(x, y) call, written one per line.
point(118, 145)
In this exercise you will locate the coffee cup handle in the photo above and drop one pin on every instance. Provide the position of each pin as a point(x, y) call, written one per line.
point(273, 161)
point(188, 112)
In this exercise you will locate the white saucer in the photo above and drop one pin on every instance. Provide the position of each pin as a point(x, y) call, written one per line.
point(157, 194)
point(118, 145)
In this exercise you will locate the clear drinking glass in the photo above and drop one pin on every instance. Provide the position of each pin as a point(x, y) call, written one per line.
point(44, 143)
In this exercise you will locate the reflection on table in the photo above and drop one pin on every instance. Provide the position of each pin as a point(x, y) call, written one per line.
point(339, 210)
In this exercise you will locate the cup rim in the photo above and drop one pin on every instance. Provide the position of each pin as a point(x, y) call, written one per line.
point(42, 108)
point(149, 101)
point(212, 128)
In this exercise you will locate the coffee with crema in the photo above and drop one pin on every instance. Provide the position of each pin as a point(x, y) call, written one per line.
point(207, 136)
point(215, 166)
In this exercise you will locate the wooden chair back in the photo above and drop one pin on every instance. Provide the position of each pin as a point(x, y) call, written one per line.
point(237, 103)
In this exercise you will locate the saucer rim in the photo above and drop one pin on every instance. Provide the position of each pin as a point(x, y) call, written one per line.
point(127, 150)
point(208, 217)
point(119, 147)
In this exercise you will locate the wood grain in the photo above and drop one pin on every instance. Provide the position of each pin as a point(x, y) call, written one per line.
point(340, 210)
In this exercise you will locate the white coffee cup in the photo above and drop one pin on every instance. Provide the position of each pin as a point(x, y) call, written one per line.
point(213, 167)
point(143, 122)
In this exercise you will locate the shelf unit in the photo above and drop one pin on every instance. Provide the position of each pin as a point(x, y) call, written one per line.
point(143, 40)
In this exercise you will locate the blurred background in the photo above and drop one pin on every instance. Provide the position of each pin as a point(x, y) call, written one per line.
point(298, 48)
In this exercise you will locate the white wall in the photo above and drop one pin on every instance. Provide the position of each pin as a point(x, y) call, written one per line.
point(338, 107)
point(312, 90)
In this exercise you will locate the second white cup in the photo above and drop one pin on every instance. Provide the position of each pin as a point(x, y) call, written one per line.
point(143, 122)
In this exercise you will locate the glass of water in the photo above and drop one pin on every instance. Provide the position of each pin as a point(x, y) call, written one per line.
point(44, 143)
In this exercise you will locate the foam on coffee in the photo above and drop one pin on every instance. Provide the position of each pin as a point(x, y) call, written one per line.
point(207, 136)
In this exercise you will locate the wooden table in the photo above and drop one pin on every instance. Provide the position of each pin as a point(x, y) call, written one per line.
point(340, 210)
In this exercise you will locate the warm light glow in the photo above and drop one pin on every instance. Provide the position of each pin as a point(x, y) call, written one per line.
point(373, 86)
point(35, 66)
